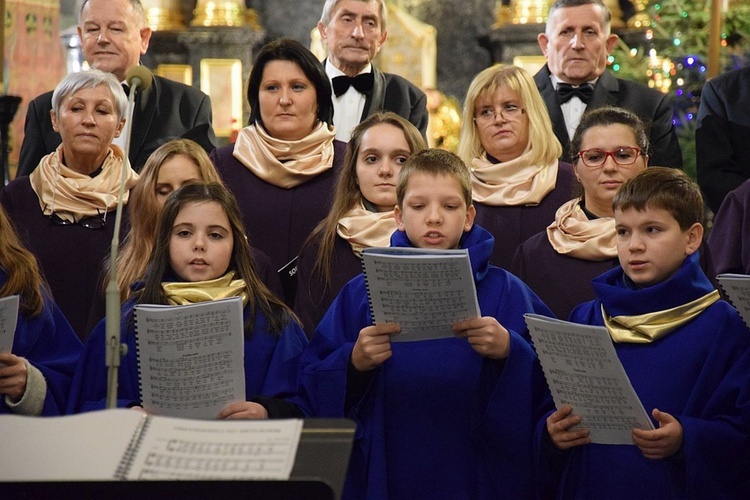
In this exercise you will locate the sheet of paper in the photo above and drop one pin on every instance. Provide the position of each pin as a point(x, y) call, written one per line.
point(8, 321)
point(583, 371)
point(191, 358)
point(87, 446)
point(178, 449)
point(737, 289)
point(424, 291)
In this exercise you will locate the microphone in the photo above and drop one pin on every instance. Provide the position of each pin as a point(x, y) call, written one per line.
point(137, 76)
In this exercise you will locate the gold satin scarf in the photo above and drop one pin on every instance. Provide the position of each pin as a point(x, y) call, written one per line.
point(190, 292)
point(511, 183)
point(71, 194)
point(285, 164)
point(645, 328)
point(573, 234)
point(365, 229)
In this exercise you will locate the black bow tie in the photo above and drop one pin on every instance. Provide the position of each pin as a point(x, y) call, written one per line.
point(362, 82)
point(566, 91)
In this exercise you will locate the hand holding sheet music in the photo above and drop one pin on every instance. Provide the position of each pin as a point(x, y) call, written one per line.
point(583, 371)
point(425, 291)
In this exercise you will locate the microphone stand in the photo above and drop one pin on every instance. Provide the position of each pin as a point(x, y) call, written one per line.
point(114, 348)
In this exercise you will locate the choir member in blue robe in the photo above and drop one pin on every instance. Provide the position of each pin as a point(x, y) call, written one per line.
point(273, 339)
point(684, 350)
point(440, 418)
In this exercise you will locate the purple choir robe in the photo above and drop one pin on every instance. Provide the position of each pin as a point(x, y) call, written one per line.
point(70, 256)
point(313, 296)
point(278, 220)
point(729, 239)
point(699, 373)
point(512, 225)
point(436, 420)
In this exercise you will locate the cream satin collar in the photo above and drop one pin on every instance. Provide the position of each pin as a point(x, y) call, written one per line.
point(574, 234)
point(73, 195)
point(511, 183)
point(285, 164)
point(365, 229)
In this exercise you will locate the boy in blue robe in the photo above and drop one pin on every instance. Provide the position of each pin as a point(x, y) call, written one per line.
point(684, 349)
point(444, 418)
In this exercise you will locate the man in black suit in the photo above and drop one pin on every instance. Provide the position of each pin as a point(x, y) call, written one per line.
point(722, 139)
point(576, 43)
point(353, 32)
point(113, 36)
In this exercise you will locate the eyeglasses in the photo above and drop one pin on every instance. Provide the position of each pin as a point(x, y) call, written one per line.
point(97, 221)
point(487, 115)
point(596, 157)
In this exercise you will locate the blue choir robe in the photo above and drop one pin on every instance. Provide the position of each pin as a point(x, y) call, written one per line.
point(697, 373)
point(271, 362)
point(48, 343)
point(436, 420)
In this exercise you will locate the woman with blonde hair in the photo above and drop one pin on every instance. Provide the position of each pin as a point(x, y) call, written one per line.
point(361, 215)
point(510, 147)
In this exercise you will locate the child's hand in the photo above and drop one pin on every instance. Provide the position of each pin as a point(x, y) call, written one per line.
point(12, 376)
point(558, 427)
point(244, 409)
point(662, 442)
point(485, 335)
point(373, 346)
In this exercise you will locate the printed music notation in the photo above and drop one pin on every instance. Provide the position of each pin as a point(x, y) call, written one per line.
point(424, 291)
point(191, 358)
point(583, 371)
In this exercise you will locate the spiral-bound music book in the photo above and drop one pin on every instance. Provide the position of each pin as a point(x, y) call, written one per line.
point(191, 358)
point(737, 290)
point(130, 445)
point(425, 291)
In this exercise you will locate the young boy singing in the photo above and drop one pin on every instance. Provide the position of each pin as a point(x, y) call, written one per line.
point(443, 418)
point(682, 348)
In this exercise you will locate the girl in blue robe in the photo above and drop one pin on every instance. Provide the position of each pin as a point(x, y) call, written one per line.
point(273, 338)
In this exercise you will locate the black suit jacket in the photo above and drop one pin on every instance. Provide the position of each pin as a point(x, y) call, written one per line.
point(166, 110)
point(397, 94)
point(651, 106)
point(722, 139)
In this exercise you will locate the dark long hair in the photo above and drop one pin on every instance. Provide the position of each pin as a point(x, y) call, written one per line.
point(286, 49)
point(242, 262)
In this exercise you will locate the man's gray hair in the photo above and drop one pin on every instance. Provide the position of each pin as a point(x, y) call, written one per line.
point(138, 13)
point(330, 7)
point(563, 4)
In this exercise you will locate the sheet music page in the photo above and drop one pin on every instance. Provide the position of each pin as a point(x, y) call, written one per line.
point(737, 289)
point(8, 321)
point(425, 291)
point(175, 449)
point(84, 447)
point(583, 371)
point(191, 358)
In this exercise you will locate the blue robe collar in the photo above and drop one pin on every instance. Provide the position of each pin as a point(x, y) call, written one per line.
point(687, 284)
point(477, 240)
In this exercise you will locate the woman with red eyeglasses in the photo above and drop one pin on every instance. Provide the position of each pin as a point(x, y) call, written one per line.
point(609, 146)
point(64, 210)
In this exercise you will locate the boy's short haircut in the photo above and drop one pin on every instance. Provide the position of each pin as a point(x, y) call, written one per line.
point(436, 162)
point(667, 188)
